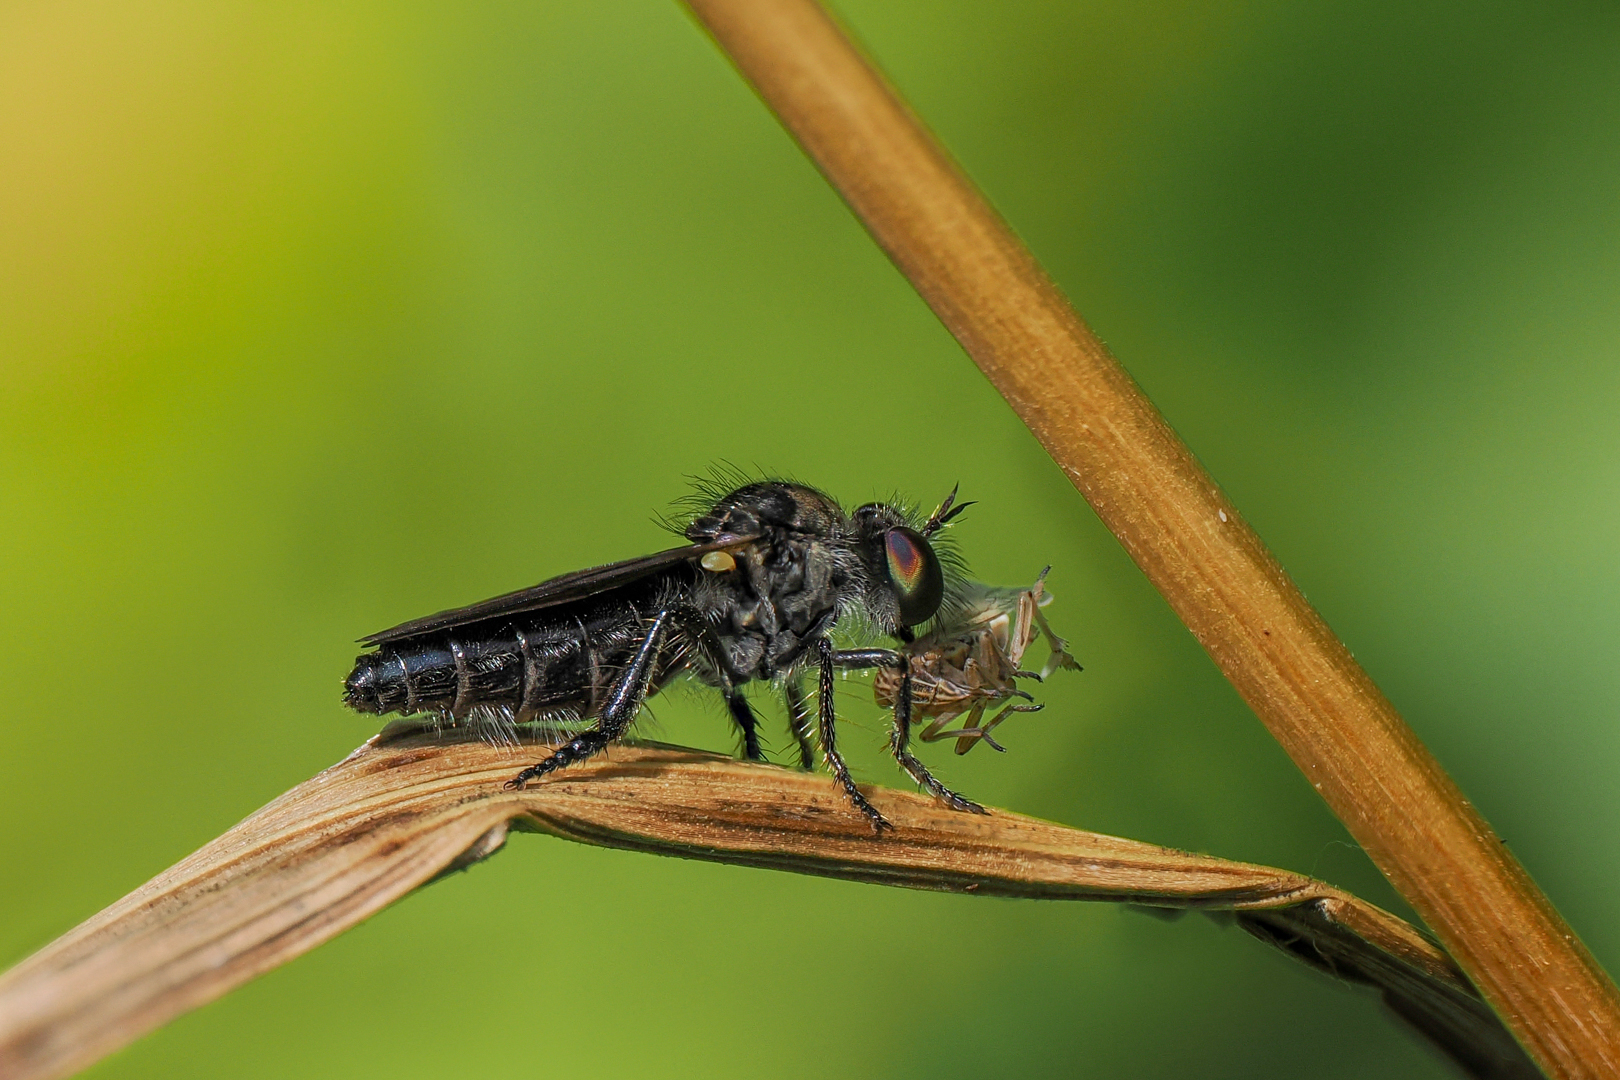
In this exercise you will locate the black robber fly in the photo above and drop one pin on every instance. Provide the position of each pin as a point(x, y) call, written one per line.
point(769, 570)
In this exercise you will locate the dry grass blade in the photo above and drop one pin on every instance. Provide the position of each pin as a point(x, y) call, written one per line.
point(1189, 540)
point(397, 813)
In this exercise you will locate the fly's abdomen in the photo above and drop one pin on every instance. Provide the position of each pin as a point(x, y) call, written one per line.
point(520, 672)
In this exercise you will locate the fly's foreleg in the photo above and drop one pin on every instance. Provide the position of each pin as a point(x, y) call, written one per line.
point(900, 738)
point(899, 743)
point(799, 718)
point(855, 659)
point(623, 702)
point(829, 741)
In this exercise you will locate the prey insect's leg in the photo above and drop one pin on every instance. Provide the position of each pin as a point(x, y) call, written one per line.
point(1059, 657)
point(743, 717)
point(935, 731)
point(975, 730)
point(984, 732)
point(829, 742)
point(623, 702)
point(901, 738)
point(799, 718)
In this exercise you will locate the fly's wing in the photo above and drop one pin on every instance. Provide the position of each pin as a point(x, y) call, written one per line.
point(559, 590)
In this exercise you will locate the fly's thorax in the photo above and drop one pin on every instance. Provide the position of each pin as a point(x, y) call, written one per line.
point(777, 591)
point(768, 508)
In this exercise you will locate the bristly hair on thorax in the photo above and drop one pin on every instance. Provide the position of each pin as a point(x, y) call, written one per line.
point(725, 477)
point(708, 488)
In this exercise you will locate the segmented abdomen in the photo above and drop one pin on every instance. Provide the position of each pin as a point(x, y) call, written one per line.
point(559, 662)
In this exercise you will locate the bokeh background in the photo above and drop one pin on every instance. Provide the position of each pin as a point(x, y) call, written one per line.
point(315, 317)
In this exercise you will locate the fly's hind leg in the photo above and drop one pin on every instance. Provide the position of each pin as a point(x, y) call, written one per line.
point(799, 718)
point(829, 742)
point(623, 702)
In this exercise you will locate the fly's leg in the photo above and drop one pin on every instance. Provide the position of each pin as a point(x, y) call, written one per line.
point(868, 658)
point(701, 634)
point(743, 717)
point(624, 701)
point(799, 718)
point(829, 742)
point(901, 738)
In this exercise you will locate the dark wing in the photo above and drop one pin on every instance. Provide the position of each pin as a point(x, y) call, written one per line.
point(559, 590)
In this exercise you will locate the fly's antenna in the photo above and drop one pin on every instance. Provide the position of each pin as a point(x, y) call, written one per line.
point(945, 514)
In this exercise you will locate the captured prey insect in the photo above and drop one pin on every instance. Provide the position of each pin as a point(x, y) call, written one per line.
point(968, 661)
point(768, 571)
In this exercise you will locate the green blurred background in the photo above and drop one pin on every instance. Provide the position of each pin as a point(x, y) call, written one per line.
point(315, 317)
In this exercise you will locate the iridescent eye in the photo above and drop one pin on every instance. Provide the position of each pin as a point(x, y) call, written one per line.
point(919, 584)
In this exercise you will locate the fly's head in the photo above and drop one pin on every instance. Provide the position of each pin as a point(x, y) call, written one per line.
point(905, 574)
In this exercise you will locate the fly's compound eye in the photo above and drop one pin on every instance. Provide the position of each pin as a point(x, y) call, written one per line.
point(919, 584)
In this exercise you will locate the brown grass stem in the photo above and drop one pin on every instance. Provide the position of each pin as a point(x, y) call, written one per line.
point(400, 812)
point(1352, 745)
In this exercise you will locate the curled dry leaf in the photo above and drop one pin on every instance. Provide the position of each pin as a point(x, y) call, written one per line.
point(399, 812)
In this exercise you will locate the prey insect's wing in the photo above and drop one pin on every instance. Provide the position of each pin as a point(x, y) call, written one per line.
point(559, 590)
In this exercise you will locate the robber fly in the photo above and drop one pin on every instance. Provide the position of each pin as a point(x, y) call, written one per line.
point(768, 571)
point(968, 661)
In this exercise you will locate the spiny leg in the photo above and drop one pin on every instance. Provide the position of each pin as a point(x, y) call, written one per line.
point(829, 742)
point(700, 636)
point(743, 717)
point(799, 720)
point(624, 701)
point(900, 739)
point(855, 659)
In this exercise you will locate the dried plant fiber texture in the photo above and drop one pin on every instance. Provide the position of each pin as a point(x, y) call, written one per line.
point(400, 811)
